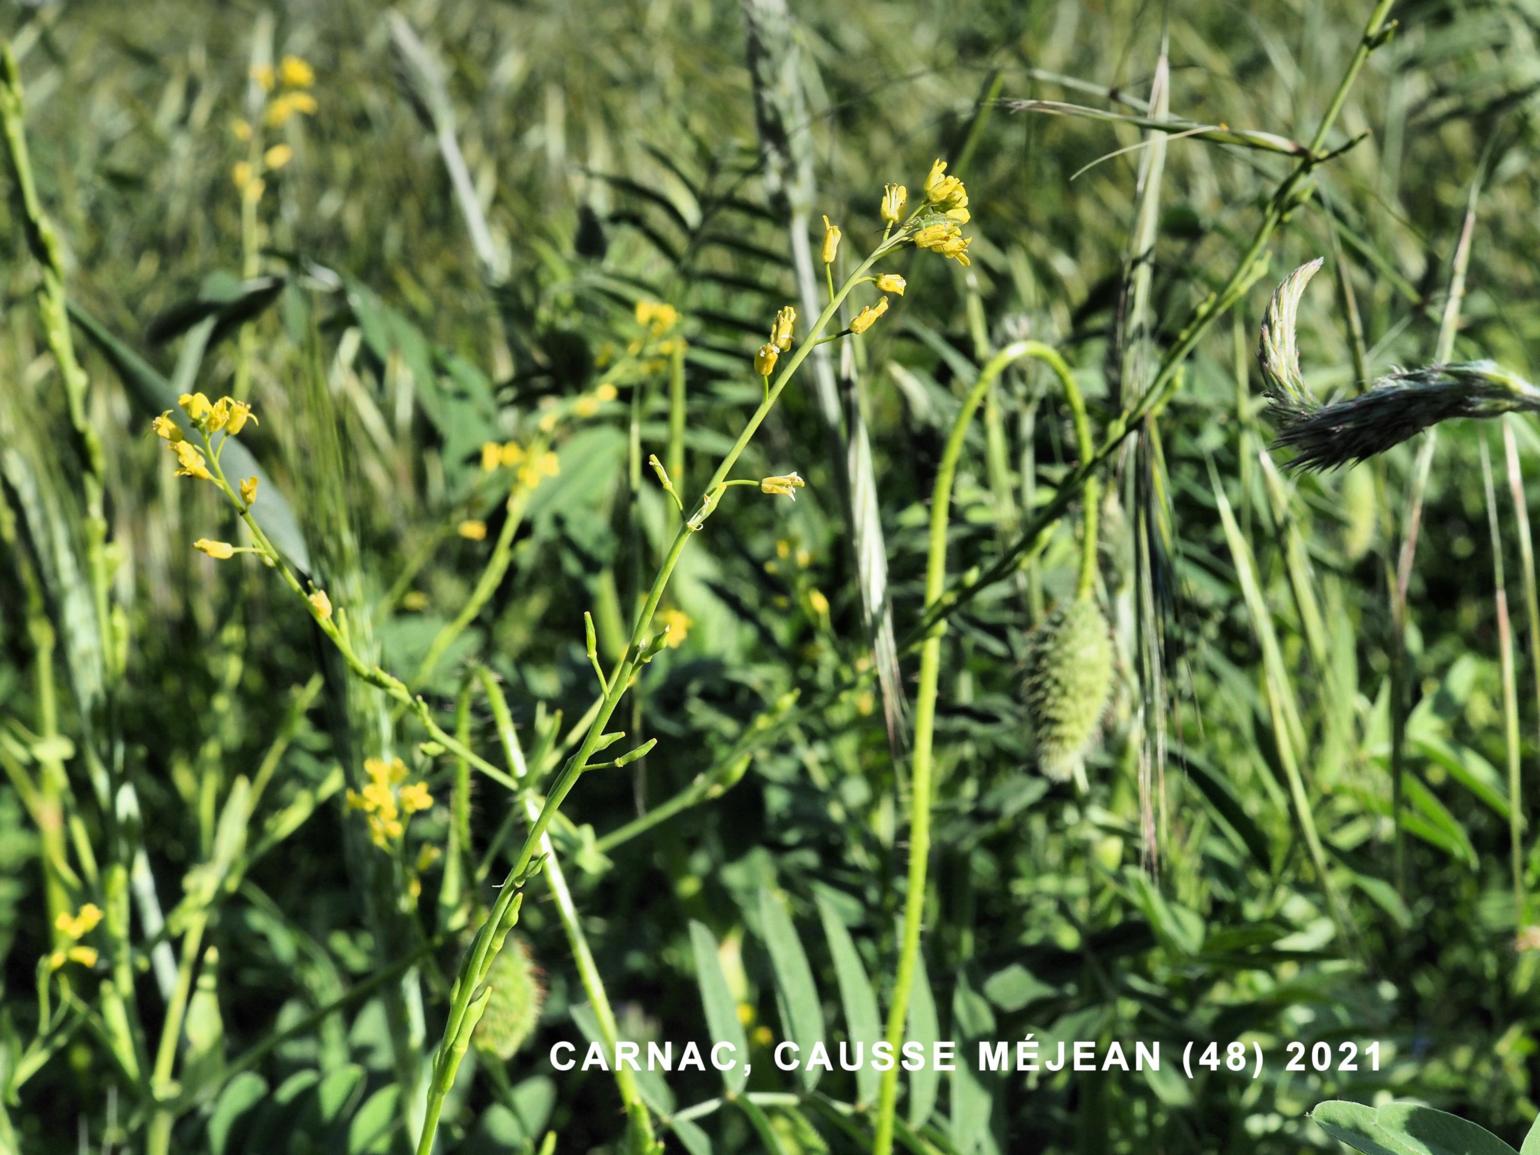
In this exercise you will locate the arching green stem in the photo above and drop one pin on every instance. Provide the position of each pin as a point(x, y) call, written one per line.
point(930, 673)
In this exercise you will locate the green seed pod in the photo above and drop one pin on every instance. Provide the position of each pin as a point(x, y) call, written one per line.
point(1068, 683)
point(513, 1008)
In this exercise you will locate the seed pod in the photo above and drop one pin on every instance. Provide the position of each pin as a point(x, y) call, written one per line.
point(513, 1008)
point(1068, 682)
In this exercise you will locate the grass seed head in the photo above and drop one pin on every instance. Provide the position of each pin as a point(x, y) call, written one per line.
point(513, 1009)
point(1068, 683)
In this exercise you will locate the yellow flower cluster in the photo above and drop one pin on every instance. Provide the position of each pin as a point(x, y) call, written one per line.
point(223, 418)
point(656, 317)
point(388, 800)
point(75, 927)
point(532, 467)
point(782, 332)
point(290, 79)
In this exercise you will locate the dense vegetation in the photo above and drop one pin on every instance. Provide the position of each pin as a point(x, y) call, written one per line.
point(1020, 686)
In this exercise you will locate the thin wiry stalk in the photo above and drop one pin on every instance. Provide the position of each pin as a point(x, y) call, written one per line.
point(1290, 193)
point(1510, 690)
point(786, 141)
point(927, 690)
point(1531, 611)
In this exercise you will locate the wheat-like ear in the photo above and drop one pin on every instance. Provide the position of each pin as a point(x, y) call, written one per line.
point(1396, 407)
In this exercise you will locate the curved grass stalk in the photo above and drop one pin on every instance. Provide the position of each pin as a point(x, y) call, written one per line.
point(926, 692)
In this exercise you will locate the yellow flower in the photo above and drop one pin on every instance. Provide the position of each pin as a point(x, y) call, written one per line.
point(196, 405)
point(656, 317)
point(81, 923)
point(415, 797)
point(586, 406)
point(472, 529)
point(286, 106)
point(249, 491)
point(253, 192)
point(548, 421)
point(941, 189)
point(606, 392)
point(892, 283)
point(86, 956)
point(676, 625)
point(321, 604)
point(512, 454)
point(782, 485)
point(867, 317)
point(241, 174)
point(414, 600)
point(945, 238)
point(831, 241)
point(264, 76)
point(277, 156)
point(240, 129)
point(765, 359)
point(894, 199)
point(818, 603)
point(166, 428)
point(785, 322)
point(219, 550)
point(296, 73)
point(491, 456)
point(190, 458)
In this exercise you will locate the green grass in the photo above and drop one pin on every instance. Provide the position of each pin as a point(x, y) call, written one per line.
point(741, 767)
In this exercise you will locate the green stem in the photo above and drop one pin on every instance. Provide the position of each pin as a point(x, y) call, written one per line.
point(1293, 191)
point(926, 694)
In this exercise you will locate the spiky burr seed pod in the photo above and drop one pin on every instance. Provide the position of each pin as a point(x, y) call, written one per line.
point(513, 1008)
point(1068, 684)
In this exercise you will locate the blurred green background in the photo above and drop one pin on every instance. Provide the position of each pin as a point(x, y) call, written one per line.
point(613, 152)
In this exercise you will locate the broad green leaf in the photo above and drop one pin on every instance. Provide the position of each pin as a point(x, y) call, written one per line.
point(1532, 1140)
point(863, 1024)
point(1356, 1125)
point(796, 995)
point(721, 1009)
point(1406, 1129)
point(1424, 1131)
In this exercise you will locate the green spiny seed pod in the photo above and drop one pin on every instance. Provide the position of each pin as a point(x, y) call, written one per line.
point(1068, 682)
point(513, 1008)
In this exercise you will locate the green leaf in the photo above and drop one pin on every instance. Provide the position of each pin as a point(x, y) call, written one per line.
point(924, 1028)
point(1532, 1140)
point(971, 1099)
point(371, 1129)
point(862, 1023)
point(1425, 1131)
point(1406, 1129)
point(796, 995)
point(237, 1101)
point(156, 395)
point(721, 1009)
point(654, 1091)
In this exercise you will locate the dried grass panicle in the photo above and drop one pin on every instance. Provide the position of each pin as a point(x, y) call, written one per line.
point(1400, 406)
point(1395, 408)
